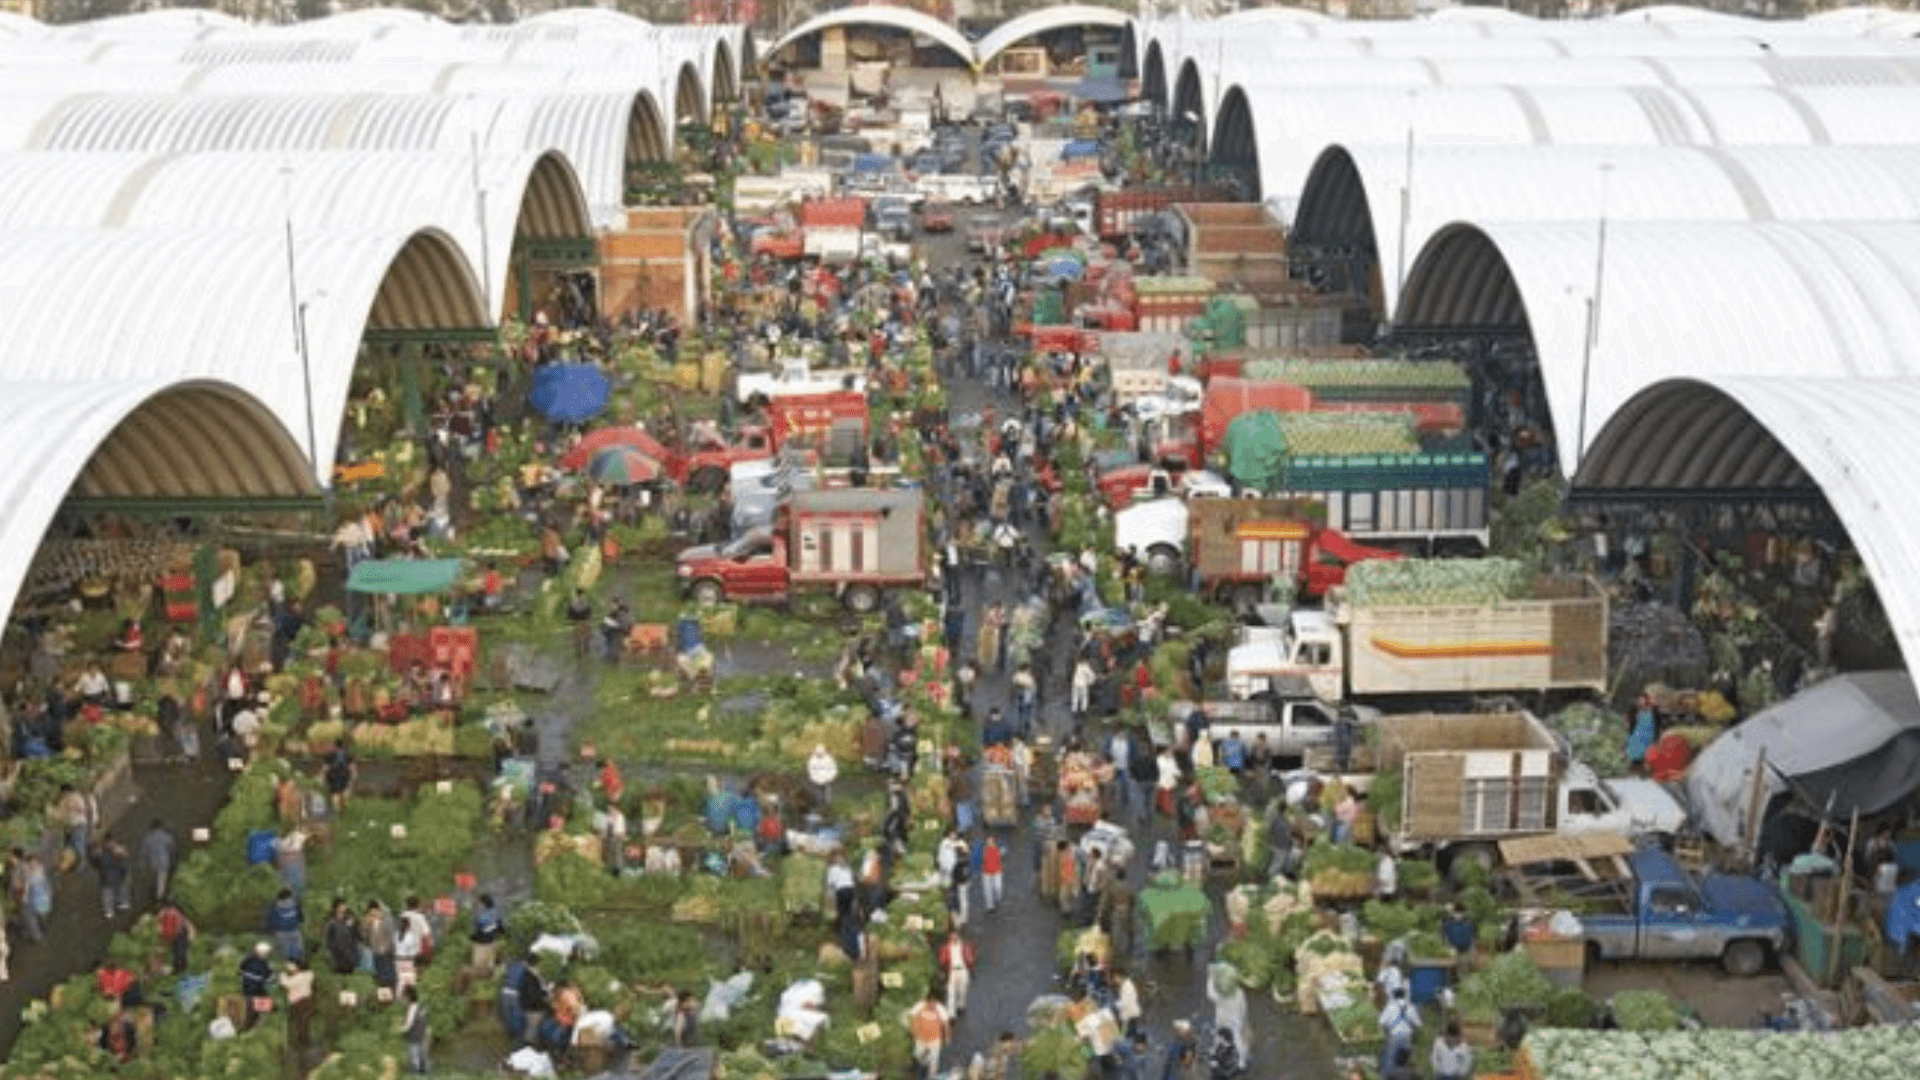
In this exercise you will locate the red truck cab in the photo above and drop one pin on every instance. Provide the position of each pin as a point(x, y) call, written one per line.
point(855, 542)
point(708, 458)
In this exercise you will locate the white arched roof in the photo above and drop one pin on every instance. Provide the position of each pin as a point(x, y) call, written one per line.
point(134, 437)
point(527, 196)
point(898, 18)
point(1850, 437)
point(1353, 198)
point(1291, 125)
point(1678, 299)
point(1043, 20)
point(600, 132)
point(215, 304)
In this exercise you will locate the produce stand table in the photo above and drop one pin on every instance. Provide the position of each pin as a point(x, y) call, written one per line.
point(1175, 913)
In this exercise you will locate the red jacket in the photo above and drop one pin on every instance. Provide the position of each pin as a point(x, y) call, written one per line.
point(990, 859)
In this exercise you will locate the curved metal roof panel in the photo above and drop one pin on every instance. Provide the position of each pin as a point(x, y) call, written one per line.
point(215, 304)
point(1353, 196)
point(1679, 299)
point(898, 18)
point(1850, 437)
point(452, 192)
point(1041, 21)
point(131, 437)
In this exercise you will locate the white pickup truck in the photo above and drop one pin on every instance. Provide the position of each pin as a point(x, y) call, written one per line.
point(794, 377)
point(963, 189)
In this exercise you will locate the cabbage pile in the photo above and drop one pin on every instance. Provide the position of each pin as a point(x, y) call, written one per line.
point(1432, 582)
point(1880, 1051)
point(1596, 734)
point(1385, 374)
point(1345, 434)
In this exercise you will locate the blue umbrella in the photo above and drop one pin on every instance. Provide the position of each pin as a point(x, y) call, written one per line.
point(1065, 269)
point(569, 393)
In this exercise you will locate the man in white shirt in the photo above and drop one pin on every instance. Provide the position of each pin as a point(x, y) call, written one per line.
point(1398, 1021)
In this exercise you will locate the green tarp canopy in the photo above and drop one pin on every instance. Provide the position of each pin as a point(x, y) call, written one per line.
point(408, 576)
point(1257, 451)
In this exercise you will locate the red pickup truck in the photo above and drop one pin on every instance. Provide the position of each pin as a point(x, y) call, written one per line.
point(857, 542)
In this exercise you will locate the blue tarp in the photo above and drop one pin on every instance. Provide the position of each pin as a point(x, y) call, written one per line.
point(1080, 148)
point(1103, 89)
point(1903, 916)
point(872, 163)
point(569, 393)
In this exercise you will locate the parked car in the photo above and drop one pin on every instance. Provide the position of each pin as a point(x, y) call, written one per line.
point(926, 161)
point(937, 217)
point(983, 231)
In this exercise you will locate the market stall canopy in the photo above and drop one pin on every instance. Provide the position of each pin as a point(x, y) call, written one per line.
point(623, 465)
point(390, 577)
point(582, 452)
point(569, 393)
point(1852, 742)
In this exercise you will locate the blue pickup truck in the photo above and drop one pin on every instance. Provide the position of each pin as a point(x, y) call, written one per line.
point(1674, 916)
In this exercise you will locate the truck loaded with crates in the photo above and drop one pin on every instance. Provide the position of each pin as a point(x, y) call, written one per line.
point(1461, 786)
point(855, 542)
point(1447, 628)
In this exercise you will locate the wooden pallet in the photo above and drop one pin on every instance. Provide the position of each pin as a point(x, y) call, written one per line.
point(1596, 857)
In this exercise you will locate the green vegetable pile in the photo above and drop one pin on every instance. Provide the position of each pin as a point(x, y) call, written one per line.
point(1597, 736)
point(1383, 374)
point(1510, 980)
point(1435, 582)
point(1881, 1050)
point(1644, 1010)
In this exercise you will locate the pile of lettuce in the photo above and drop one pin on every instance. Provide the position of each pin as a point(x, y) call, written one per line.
point(1881, 1051)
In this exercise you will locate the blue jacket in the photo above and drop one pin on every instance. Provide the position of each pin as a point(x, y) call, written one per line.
point(283, 915)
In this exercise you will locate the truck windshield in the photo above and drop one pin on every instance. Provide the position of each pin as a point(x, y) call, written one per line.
point(742, 546)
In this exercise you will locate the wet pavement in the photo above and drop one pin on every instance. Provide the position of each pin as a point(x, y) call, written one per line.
point(184, 796)
point(1017, 944)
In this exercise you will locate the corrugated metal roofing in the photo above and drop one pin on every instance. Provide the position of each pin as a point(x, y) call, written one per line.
point(1353, 196)
point(601, 133)
point(1848, 436)
point(214, 304)
point(400, 191)
point(130, 437)
point(1678, 299)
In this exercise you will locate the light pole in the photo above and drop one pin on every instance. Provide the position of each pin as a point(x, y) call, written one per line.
point(1593, 312)
point(298, 310)
point(480, 217)
point(1406, 199)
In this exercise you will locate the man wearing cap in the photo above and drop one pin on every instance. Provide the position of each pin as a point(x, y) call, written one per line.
point(256, 981)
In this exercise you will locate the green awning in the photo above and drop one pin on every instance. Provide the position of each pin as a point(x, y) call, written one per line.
point(409, 576)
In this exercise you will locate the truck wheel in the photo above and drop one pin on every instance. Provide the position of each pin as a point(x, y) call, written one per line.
point(861, 599)
point(708, 479)
point(1479, 857)
point(1744, 959)
point(1593, 955)
point(1247, 597)
point(707, 592)
point(1163, 561)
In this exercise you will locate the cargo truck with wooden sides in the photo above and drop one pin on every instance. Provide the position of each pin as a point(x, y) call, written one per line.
point(1236, 549)
point(1460, 786)
point(1119, 214)
point(855, 542)
point(1527, 634)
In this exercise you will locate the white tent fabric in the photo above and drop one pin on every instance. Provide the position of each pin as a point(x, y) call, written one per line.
point(1833, 723)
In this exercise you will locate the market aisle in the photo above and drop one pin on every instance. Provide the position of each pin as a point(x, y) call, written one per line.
point(186, 797)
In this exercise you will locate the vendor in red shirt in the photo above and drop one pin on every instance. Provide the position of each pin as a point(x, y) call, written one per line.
point(490, 587)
